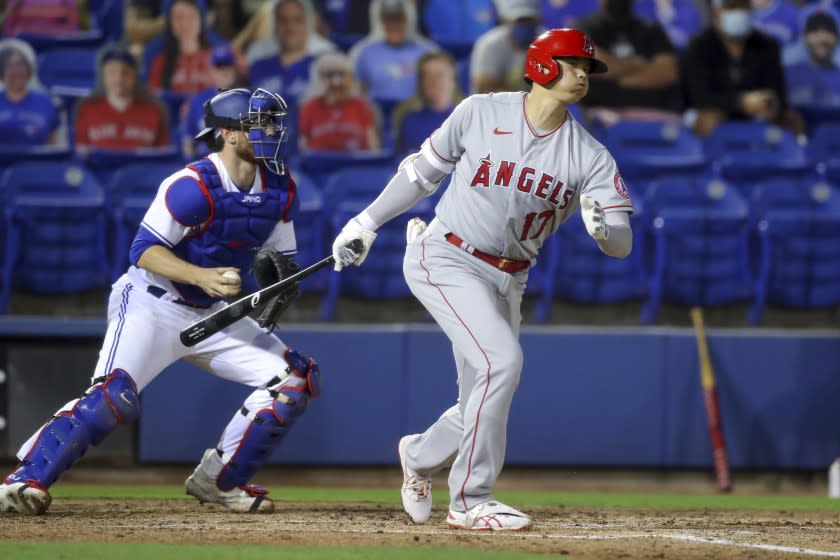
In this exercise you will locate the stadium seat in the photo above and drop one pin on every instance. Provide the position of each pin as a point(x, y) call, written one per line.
point(69, 71)
point(56, 217)
point(381, 275)
point(128, 194)
point(577, 270)
point(92, 39)
point(798, 225)
point(319, 165)
point(356, 184)
point(647, 150)
point(744, 153)
point(11, 154)
point(700, 245)
point(104, 163)
point(309, 231)
point(126, 216)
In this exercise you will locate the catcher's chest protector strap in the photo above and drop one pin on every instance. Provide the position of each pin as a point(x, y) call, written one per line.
point(66, 436)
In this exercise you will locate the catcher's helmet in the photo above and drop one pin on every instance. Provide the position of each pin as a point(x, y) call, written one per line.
point(259, 113)
point(558, 43)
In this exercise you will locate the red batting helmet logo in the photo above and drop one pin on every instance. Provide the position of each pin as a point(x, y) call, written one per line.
point(587, 46)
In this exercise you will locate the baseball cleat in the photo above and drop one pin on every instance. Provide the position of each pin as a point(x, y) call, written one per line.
point(27, 498)
point(416, 490)
point(242, 499)
point(489, 516)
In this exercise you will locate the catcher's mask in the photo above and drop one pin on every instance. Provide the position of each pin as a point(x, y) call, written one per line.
point(259, 113)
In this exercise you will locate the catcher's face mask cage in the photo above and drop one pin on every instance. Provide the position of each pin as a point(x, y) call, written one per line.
point(266, 129)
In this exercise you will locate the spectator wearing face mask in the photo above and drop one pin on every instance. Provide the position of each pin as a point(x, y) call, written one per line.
point(643, 77)
point(498, 56)
point(735, 72)
point(816, 81)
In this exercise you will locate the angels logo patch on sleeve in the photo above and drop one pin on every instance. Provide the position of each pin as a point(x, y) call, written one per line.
point(620, 187)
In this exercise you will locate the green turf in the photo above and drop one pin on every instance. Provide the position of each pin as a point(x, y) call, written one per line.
point(131, 551)
point(524, 499)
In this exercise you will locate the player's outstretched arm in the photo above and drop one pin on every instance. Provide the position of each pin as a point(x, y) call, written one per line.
point(407, 187)
point(160, 260)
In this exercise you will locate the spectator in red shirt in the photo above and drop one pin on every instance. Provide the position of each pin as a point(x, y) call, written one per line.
point(183, 66)
point(120, 114)
point(334, 117)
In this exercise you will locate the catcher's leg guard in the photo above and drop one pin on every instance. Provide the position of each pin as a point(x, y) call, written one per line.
point(269, 426)
point(66, 436)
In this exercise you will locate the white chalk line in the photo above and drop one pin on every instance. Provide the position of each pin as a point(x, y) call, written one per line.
point(682, 537)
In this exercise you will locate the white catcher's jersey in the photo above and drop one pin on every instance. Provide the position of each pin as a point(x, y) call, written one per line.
point(511, 186)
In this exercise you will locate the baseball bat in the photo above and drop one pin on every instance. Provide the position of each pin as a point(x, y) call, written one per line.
point(710, 395)
point(234, 311)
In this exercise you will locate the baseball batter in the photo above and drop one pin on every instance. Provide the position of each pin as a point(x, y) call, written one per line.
point(520, 166)
point(201, 231)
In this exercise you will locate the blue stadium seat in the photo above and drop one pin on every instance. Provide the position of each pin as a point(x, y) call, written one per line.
point(824, 151)
point(577, 270)
point(126, 216)
point(700, 245)
point(92, 39)
point(104, 163)
point(646, 150)
point(744, 153)
point(799, 232)
point(319, 165)
point(56, 216)
point(356, 184)
point(462, 73)
point(381, 274)
point(128, 194)
point(309, 231)
point(68, 71)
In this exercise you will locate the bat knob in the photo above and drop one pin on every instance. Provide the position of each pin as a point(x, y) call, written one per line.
point(357, 246)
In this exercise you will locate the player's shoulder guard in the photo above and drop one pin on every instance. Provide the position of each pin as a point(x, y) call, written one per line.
point(188, 201)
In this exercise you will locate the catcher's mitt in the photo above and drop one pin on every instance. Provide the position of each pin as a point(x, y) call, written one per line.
point(269, 268)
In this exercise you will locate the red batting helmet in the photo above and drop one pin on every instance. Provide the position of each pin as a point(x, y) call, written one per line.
point(558, 43)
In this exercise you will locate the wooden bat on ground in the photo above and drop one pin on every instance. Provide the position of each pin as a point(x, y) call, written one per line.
point(234, 311)
point(710, 395)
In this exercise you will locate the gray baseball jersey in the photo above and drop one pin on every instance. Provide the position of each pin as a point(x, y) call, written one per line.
point(512, 186)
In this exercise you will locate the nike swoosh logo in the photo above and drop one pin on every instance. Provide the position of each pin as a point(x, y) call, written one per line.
point(497, 131)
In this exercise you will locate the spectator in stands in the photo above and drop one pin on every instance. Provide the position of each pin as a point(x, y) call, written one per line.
point(277, 28)
point(498, 56)
point(28, 115)
point(224, 75)
point(556, 14)
point(797, 52)
point(437, 94)
point(334, 117)
point(643, 80)
point(735, 72)
point(120, 114)
point(42, 17)
point(777, 18)
point(386, 60)
point(816, 81)
point(184, 64)
point(681, 19)
point(288, 69)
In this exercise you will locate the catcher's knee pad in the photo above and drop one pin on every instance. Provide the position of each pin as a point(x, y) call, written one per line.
point(269, 425)
point(305, 368)
point(67, 435)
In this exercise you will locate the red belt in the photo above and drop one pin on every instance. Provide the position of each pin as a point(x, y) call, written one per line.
point(503, 264)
